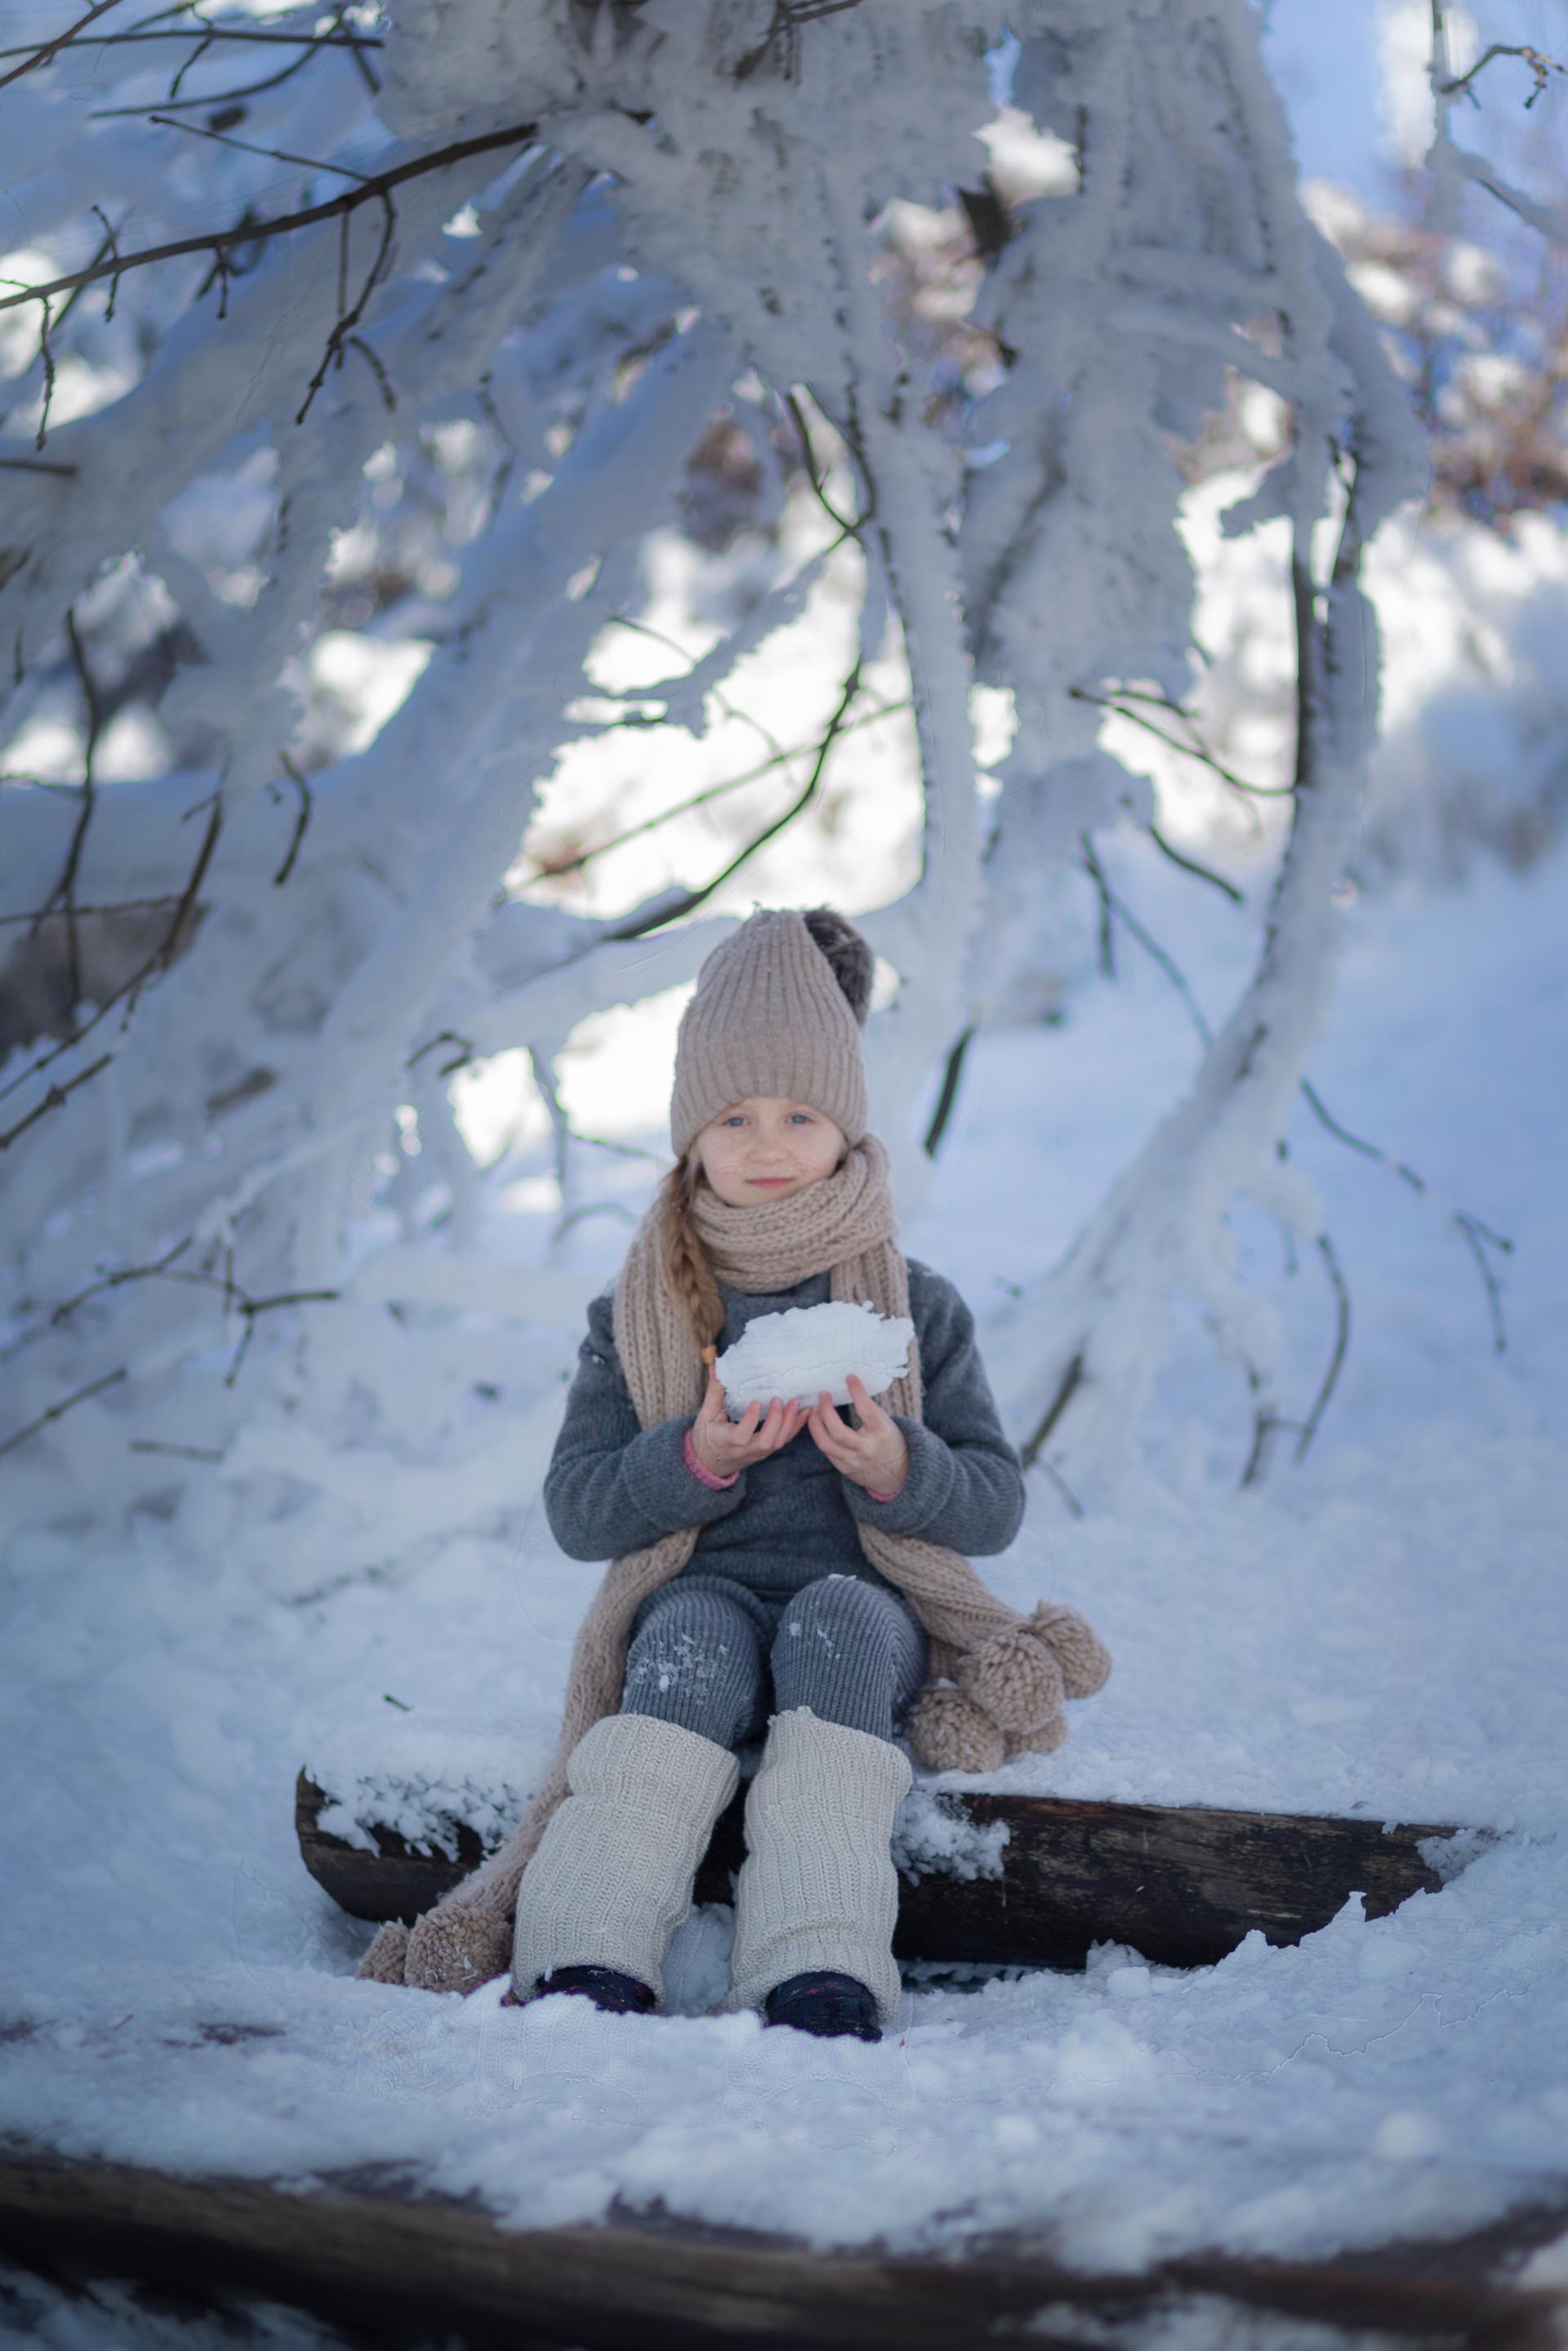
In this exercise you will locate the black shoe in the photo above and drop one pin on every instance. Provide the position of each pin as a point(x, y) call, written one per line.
point(825, 2002)
point(607, 1987)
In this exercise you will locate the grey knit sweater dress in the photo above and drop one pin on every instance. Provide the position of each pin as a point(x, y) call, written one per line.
point(779, 1605)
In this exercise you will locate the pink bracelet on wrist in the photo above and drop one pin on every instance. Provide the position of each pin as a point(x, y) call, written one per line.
point(700, 1469)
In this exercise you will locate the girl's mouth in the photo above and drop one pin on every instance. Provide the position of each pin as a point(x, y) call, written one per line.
point(771, 1183)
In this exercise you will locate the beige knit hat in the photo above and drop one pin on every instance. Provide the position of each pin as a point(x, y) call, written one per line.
point(770, 1018)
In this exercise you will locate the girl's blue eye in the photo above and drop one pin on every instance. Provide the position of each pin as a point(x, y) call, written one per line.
point(737, 1120)
point(803, 1115)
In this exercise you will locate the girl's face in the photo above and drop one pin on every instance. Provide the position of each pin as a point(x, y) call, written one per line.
point(764, 1149)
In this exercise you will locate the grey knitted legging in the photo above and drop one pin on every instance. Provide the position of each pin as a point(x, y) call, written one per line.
point(704, 1648)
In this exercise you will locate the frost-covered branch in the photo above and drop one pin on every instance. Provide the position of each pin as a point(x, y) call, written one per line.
point(661, 231)
point(1077, 1355)
point(1452, 165)
point(1459, 163)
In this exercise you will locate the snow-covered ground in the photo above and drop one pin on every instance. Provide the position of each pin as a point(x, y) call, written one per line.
point(1380, 1630)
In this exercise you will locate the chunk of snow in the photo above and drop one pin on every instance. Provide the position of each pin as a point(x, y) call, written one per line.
point(805, 1349)
point(933, 1838)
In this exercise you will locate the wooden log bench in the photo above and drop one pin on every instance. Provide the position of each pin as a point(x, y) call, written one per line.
point(1183, 1884)
point(363, 2250)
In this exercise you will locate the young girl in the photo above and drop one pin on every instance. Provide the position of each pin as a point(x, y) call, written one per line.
point(796, 1571)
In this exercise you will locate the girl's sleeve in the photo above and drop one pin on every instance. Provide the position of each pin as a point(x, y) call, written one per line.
point(964, 1485)
point(613, 1485)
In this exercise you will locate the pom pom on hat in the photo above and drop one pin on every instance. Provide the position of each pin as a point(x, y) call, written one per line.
point(849, 957)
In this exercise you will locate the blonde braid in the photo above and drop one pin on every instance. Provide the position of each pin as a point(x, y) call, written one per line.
point(686, 1264)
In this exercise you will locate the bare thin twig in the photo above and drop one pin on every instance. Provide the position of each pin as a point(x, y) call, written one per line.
point(108, 244)
point(46, 358)
point(219, 99)
point(1191, 865)
point(1091, 866)
point(41, 57)
point(1062, 1486)
point(1264, 1422)
point(234, 1300)
point(1309, 1429)
point(292, 771)
point(377, 366)
point(1540, 65)
point(40, 915)
point(52, 1101)
point(64, 892)
point(557, 872)
point(847, 528)
point(730, 709)
point(163, 955)
point(1111, 904)
point(681, 907)
point(58, 1411)
point(1356, 1142)
point(254, 232)
point(68, 1306)
point(1117, 701)
point(1474, 1230)
point(949, 1095)
point(161, 958)
point(1067, 1388)
point(187, 66)
point(622, 1150)
point(250, 147)
point(1471, 1229)
point(225, 32)
point(444, 1037)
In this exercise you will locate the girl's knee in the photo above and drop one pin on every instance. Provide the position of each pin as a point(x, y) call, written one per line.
point(852, 1652)
point(695, 1637)
point(694, 1660)
point(839, 1608)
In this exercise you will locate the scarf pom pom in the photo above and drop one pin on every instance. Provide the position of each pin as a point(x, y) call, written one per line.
point(1014, 1678)
point(1042, 1741)
point(457, 1947)
point(949, 1733)
point(383, 1962)
point(1084, 1659)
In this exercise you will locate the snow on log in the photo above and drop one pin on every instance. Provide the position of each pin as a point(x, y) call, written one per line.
point(369, 2253)
point(1181, 1883)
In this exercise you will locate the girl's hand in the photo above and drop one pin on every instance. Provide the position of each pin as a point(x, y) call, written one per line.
point(723, 1446)
point(872, 1453)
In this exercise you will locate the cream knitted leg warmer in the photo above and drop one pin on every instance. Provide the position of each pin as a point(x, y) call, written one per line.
point(612, 1876)
point(818, 1888)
